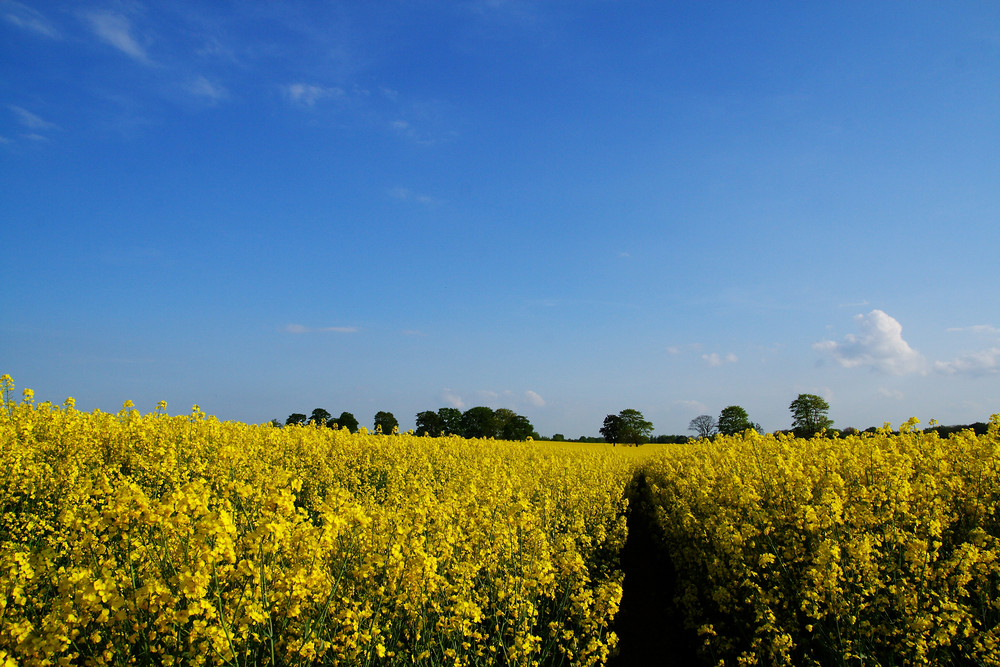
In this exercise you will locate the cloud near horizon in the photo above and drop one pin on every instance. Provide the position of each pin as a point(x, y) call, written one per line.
point(880, 346)
point(534, 399)
point(299, 329)
point(983, 362)
point(715, 359)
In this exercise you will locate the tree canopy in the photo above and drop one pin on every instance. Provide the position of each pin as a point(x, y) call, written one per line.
point(628, 426)
point(385, 422)
point(319, 416)
point(733, 420)
point(345, 420)
point(704, 426)
point(429, 423)
point(479, 422)
point(809, 415)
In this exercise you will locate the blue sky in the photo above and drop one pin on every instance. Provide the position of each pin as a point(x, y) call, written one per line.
point(563, 208)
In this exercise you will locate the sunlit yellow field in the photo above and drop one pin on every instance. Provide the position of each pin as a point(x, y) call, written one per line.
point(159, 540)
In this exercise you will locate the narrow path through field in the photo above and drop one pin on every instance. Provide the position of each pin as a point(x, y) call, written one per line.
point(650, 629)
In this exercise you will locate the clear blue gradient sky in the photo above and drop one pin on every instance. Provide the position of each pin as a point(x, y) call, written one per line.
point(563, 208)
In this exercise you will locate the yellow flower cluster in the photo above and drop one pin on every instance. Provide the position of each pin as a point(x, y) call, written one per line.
point(129, 539)
point(152, 539)
point(879, 548)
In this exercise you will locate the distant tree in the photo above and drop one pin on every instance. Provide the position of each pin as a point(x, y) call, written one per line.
point(429, 423)
point(451, 420)
point(319, 416)
point(733, 420)
point(670, 439)
point(809, 415)
point(635, 427)
point(275, 422)
point(703, 425)
point(295, 418)
point(627, 426)
point(345, 420)
point(612, 429)
point(558, 437)
point(512, 426)
point(479, 422)
point(386, 422)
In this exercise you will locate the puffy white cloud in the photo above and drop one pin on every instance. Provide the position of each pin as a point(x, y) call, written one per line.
point(534, 399)
point(714, 359)
point(452, 399)
point(880, 346)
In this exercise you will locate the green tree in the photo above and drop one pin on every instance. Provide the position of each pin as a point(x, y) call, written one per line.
point(627, 426)
point(319, 416)
point(295, 418)
point(451, 420)
point(479, 422)
point(345, 420)
point(386, 422)
point(635, 427)
point(512, 426)
point(429, 423)
point(703, 425)
point(612, 429)
point(809, 415)
point(733, 420)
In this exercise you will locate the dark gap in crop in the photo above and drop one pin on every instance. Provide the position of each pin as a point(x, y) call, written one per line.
point(650, 628)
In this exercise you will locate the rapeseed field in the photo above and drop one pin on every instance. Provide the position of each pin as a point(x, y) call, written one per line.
point(130, 539)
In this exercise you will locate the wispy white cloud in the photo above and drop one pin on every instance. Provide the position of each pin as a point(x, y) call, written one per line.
point(405, 194)
point(116, 29)
point(715, 359)
point(202, 87)
point(26, 18)
point(300, 329)
point(309, 94)
point(894, 394)
point(977, 329)
point(880, 346)
point(30, 120)
point(693, 406)
point(409, 132)
point(983, 362)
point(534, 399)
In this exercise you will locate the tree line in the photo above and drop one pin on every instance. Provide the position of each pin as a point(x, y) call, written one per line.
point(477, 422)
point(384, 421)
point(809, 417)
